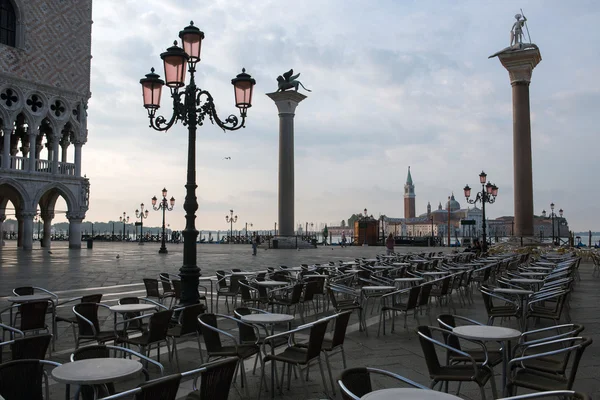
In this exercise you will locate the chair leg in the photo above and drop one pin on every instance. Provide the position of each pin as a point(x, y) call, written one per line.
point(343, 356)
point(329, 370)
point(322, 375)
point(200, 348)
point(482, 391)
point(174, 350)
point(493, 383)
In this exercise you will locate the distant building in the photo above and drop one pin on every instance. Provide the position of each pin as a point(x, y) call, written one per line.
point(409, 197)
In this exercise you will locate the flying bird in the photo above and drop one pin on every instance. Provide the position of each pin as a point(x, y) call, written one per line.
point(118, 256)
point(49, 252)
point(227, 158)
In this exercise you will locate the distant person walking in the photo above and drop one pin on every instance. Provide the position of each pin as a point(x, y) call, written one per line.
point(343, 239)
point(255, 244)
point(389, 244)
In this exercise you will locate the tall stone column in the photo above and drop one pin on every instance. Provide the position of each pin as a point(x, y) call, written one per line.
point(78, 158)
point(286, 103)
point(74, 230)
point(20, 230)
point(47, 218)
point(6, 148)
point(2, 219)
point(32, 158)
point(520, 65)
point(27, 233)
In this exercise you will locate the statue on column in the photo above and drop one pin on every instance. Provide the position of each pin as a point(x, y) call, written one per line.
point(516, 37)
point(289, 81)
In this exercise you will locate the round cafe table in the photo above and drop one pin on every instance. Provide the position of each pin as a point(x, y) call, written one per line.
point(95, 371)
point(271, 283)
point(408, 394)
point(485, 333)
point(409, 280)
point(130, 308)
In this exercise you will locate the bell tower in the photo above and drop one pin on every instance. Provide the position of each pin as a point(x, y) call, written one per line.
point(409, 197)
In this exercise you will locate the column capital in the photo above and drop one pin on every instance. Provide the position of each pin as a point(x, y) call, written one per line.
point(286, 102)
point(47, 216)
point(75, 216)
point(520, 64)
point(27, 214)
point(2, 219)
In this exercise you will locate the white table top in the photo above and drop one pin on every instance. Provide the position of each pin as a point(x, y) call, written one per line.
point(401, 264)
point(513, 291)
point(96, 371)
point(371, 260)
point(408, 279)
point(271, 283)
point(373, 288)
point(267, 318)
point(29, 298)
point(123, 308)
point(316, 276)
point(534, 273)
point(408, 394)
point(434, 273)
point(485, 332)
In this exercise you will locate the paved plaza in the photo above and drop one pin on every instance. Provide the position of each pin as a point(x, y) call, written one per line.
point(69, 272)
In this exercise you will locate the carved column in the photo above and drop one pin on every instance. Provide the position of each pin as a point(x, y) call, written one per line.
point(6, 149)
point(286, 103)
point(26, 234)
point(19, 230)
point(2, 219)
point(75, 220)
point(47, 218)
point(32, 134)
point(55, 154)
point(78, 158)
point(64, 145)
point(520, 65)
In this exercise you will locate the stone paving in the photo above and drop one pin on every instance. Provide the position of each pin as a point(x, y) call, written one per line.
point(67, 272)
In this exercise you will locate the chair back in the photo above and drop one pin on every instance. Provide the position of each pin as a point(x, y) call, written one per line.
point(357, 381)
point(582, 345)
point(151, 286)
point(222, 282)
point(215, 382)
point(247, 333)
point(164, 388)
point(176, 288)
point(159, 325)
point(428, 347)
point(33, 315)
point(30, 347)
point(296, 293)
point(312, 288)
point(425, 291)
point(245, 290)
point(129, 315)
point(315, 340)
point(92, 298)
point(444, 321)
point(339, 332)
point(189, 318)
point(445, 286)
point(165, 282)
point(88, 311)
point(23, 291)
point(22, 379)
point(413, 297)
point(92, 351)
point(212, 340)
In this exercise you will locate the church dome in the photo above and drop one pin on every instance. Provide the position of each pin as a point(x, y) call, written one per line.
point(454, 205)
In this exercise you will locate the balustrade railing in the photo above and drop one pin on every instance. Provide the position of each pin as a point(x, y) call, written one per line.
point(42, 166)
point(17, 162)
point(66, 168)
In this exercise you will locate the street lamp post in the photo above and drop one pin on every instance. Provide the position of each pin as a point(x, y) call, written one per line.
point(38, 220)
point(432, 241)
point(488, 194)
point(124, 219)
point(552, 217)
point(311, 229)
point(231, 219)
point(164, 205)
point(365, 226)
point(189, 109)
point(247, 228)
point(141, 214)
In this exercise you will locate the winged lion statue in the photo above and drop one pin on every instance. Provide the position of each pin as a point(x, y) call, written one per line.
point(289, 81)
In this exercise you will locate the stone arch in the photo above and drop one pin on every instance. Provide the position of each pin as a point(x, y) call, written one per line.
point(15, 192)
point(47, 196)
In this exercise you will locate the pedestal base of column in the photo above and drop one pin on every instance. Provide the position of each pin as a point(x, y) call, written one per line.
point(290, 242)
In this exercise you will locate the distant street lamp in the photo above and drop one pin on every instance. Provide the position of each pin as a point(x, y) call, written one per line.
point(431, 219)
point(231, 219)
point(191, 111)
point(365, 226)
point(247, 228)
point(124, 219)
point(38, 220)
point(487, 195)
point(141, 214)
point(552, 216)
point(164, 206)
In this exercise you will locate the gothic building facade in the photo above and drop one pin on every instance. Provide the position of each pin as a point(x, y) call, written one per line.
point(45, 57)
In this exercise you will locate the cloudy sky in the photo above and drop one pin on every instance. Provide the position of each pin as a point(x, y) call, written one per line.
point(394, 83)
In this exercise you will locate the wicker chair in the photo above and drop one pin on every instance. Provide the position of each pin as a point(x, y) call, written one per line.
point(164, 388)
point(187, 325)
point(88, 324)
point(356, 382)
point(561, 378)
point(215, 380)
point(25, 379)
point(475, 372)
point(30, 347)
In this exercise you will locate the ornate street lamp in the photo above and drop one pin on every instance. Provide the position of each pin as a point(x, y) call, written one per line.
point(231, 219)
point(164, 205)
point(552, 217)
point(141, 214)
point(488, 194)
point(124, 219)
point(248, 223)
point(191, 111)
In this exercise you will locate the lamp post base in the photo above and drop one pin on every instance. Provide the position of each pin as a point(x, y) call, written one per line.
point(163, 250)
point(140, 243)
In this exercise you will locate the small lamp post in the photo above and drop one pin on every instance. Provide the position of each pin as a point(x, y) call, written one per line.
point(231, 219)
point(365, 224)
point(124, 219)
point(192, 111)
point(38, 220)
point(488, 194)
point(164, 205)
point(141, 214)
point(247, 229)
